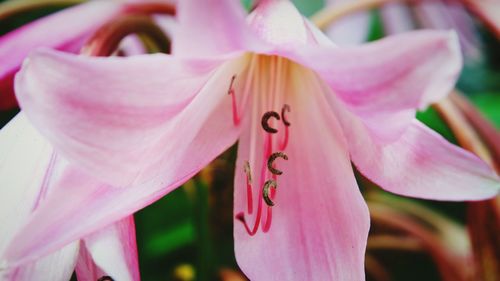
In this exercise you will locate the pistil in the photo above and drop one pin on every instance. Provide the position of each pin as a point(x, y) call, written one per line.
point(236, 117)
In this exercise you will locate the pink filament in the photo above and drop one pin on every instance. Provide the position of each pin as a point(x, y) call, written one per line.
point(236, 117)
point(241, 216)
point(269, 217)
point(284, 144)
point(249, 197)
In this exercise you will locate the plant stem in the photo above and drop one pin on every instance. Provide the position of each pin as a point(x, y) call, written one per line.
point(466, 136)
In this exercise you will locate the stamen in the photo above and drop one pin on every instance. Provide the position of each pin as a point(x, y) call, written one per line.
point(106, 278)
point(271, 159)
point(269, 220)
point(266, 225)
point(248, 172)
point(284, 143)
point(236, 118)
point(265, 119)
point(265, 191)
point(286, 108)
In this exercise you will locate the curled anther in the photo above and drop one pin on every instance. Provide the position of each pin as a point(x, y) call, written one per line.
point(271, 159)
point(230, 91)
point(285, 108)
point(266, 191)
point(248, 171)
point(265, 120)
point(106, 278)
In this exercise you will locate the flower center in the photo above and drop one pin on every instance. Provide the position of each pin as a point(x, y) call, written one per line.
point(267, 76)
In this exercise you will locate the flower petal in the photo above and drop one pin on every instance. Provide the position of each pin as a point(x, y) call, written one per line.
point(84, 204)
point(58, 266)
point(396, 18)
point(420, 164)
point(65, 30)
point(350, 30)
point(386, 81)
point(111, 251)
point(210, 27)
point(320, 221)
point(446, 16)
point(120, 117)
point(24, 159)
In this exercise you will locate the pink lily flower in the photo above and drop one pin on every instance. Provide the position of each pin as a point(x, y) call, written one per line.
point(26, 155)
point(67, 30)
point(301, 108)
point(401, 16)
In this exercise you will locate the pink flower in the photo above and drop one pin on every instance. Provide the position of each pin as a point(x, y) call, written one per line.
point(28, 166)
point(67, 30)
point(301, 108)
point(401, 16)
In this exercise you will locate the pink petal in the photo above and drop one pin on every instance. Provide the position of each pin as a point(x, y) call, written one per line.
point(386, 81)
point(278, 23)
point(24, 159)
point(210, 27)
point(446, 16)
point(65, 30)
point(397, 18)
point(350, 30)
point(178, 149)
point(420, 164)
point(320, 221)
point(111, 251)
point(58, 266)
point(123, 119)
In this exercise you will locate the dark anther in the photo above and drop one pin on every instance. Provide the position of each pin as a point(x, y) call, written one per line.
point(248, 171)
point(106, 278)
point(230, 91)
point(265, 119)
point(265, 191)
point(286, 108)
point(270, 162)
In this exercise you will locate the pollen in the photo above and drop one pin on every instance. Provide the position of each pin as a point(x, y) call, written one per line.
point(270, 162)
point(265, 121)
point(266, 191)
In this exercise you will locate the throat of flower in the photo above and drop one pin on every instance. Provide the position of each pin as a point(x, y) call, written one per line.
point(268, 180)
point(265, 82)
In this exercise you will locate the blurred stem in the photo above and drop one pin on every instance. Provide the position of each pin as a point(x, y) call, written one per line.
point(10, 8)
point(375, 269)
point(204, 266)
point(475, 133)
point(448, 229)
point(451, 266)
point(330, 14)
point(107, 39)
point(466, 136)
point(484, 128)
point(392, 242)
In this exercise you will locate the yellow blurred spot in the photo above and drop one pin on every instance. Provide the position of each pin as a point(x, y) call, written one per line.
point(184, 272)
